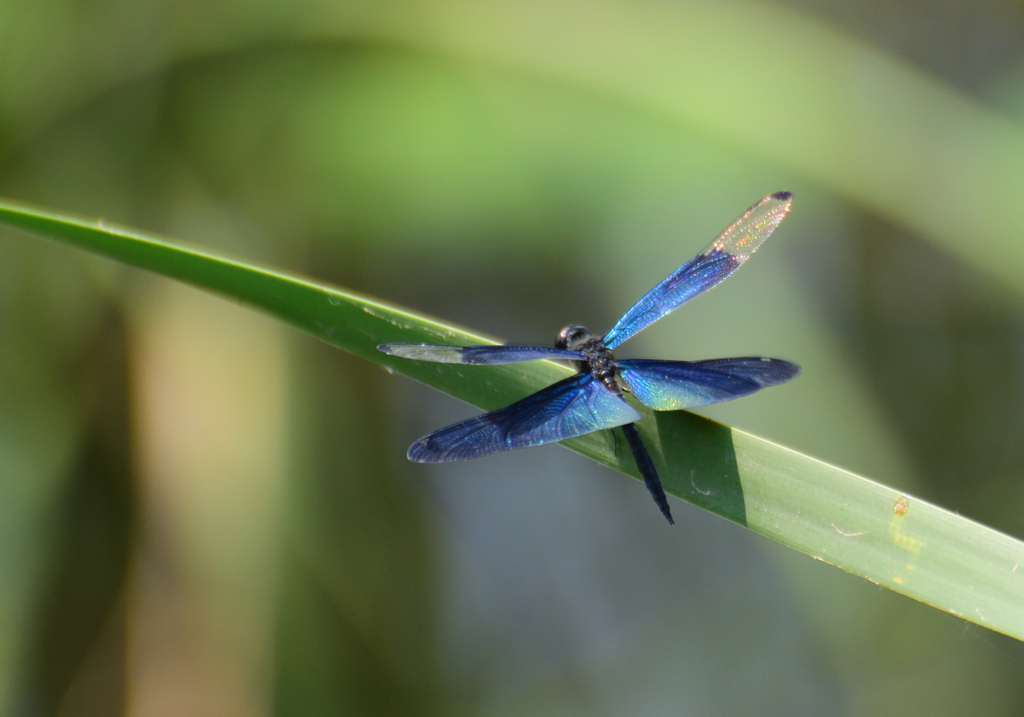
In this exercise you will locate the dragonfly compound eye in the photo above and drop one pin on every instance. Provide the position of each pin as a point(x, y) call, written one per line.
point(572, 336)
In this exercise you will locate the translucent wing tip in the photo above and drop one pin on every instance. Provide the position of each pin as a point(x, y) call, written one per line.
point(404, 350)
point(423, 352)
point(746, 234)
point(773, 205)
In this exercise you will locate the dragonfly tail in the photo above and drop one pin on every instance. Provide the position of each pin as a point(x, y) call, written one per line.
point(647, 470)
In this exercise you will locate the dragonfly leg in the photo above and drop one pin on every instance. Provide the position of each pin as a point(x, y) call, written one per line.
point(647, 470)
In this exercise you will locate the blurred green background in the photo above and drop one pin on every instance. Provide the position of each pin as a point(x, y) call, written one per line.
point(203, 512)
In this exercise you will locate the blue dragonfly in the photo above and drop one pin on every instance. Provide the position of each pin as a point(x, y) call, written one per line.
point(592, 399)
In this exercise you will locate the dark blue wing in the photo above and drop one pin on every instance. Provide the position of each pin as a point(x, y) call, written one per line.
point(721, 258)
point(479, 355)
point(672, 385)
point(569, 408)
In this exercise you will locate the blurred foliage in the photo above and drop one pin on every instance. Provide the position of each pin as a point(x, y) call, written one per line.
point(514, 167)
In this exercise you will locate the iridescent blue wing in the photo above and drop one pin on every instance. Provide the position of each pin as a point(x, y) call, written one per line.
point(708, 269)
point(672, 385)
point(569, 408)
point(478, 355)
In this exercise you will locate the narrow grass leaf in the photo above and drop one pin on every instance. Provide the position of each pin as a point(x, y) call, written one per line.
point(862, 526)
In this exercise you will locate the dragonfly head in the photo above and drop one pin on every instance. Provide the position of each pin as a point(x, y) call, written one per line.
point(572, 337)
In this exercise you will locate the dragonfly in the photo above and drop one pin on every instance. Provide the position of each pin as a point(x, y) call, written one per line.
point(592, 399)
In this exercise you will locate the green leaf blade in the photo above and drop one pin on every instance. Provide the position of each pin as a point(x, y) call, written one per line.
point(925, 552)
point(921, 550)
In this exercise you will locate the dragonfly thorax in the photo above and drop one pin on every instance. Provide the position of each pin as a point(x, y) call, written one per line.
point(599, 359)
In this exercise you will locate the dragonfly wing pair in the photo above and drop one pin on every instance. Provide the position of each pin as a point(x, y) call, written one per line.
point(705, 271)
point(674, 385)
point(579, 405)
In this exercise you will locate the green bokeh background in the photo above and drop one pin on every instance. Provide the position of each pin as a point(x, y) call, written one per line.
point(203, 512)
